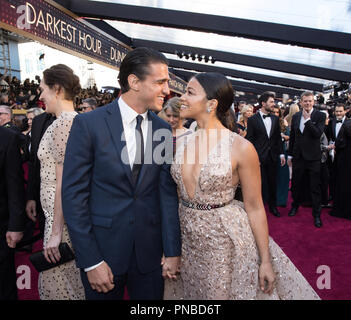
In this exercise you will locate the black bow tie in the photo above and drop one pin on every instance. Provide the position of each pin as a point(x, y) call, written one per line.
point(265, 116)
point(338, 121)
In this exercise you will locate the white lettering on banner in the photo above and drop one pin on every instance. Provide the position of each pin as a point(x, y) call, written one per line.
point(116, 55)
point(89, 42)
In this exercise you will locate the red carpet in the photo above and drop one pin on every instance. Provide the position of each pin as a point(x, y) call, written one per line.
point(307, 246)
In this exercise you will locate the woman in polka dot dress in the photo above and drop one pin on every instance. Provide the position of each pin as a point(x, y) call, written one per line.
point(58, 90)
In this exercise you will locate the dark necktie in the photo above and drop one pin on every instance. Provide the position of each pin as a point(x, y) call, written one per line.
point(339, 121)
point(139, 152)
point(266, 115)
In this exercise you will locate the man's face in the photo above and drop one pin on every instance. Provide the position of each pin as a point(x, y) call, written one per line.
point(240, 106)
point(86, 107)
point(269, 105)
point(340, 112)
point(30, 117)
point(5, 117)
point(307, 103)
point(154, 88)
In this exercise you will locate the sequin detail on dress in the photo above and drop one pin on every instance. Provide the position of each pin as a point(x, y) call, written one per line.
point(62, 282)
point(220, 259)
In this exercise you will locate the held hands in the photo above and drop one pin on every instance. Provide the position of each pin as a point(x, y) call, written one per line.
point(51, 250)
point(31, 210)
point(266, 277)
point(170, 267)
point(12, 238)
point(101, 278)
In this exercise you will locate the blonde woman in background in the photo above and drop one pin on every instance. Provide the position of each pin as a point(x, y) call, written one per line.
point(171, 114)
point(294, 108)
point(246, 113)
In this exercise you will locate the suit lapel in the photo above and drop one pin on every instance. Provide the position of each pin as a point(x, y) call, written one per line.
point(273, 123)
point(299, 122)
point(260, 121)
point(115, 125)
point(334, 129)
point(39, 132)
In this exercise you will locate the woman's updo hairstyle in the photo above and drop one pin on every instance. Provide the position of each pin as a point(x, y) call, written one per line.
point(62, 76)
point(218, 87)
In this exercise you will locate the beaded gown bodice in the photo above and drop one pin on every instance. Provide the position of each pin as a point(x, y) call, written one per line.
point(220, 259)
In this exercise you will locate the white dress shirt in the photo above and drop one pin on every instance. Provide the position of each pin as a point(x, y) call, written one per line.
point(267, 123)
point(302, 125)
point(303, 122)
point(129, 122)
point(128, 116)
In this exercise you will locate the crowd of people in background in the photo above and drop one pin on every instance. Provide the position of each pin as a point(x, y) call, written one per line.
point(303, 145)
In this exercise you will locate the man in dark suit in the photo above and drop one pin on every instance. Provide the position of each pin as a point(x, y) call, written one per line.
point(307, 127)
point(12, 214)
point(333, 131)
point(33, 207)
point(342, 191)
point(263, 131)
point(119, 199)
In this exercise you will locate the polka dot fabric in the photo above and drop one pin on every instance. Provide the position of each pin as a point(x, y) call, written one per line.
point(62, 282)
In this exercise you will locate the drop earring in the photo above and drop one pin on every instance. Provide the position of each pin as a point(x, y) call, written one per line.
point(209, 110)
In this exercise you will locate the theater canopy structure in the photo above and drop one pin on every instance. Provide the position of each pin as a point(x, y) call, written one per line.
point(281, 46)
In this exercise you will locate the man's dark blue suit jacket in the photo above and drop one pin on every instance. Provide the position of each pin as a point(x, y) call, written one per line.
point(105, 213)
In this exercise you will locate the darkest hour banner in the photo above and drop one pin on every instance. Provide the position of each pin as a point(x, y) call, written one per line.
point(43, 21)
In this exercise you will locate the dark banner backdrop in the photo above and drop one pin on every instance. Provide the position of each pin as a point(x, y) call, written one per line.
point(51, 24)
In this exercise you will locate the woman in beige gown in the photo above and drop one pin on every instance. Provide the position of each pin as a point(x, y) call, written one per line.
point(58, 89)
point(226, 250)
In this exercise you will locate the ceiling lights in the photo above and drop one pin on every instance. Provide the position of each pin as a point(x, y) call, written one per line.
point(195, 56)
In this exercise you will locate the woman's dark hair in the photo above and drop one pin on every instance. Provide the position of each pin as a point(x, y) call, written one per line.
point(137, 62)
point(218, 87)
point(64, 77)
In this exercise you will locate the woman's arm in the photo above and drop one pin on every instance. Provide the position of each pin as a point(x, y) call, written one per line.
point(59, 221)
point(250, 179)
point(51, 251)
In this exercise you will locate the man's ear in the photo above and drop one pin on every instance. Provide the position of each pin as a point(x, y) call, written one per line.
point(133, 82)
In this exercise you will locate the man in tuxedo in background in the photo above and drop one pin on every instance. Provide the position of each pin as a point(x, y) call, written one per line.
point(12, 214)
point(263, 131)
point(307, 127)
point(333, 131)
point(33, 207)
point(121, 210)
point(342, 174)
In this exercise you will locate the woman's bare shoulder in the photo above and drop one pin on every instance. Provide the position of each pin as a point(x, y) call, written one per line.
point(243, 149)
